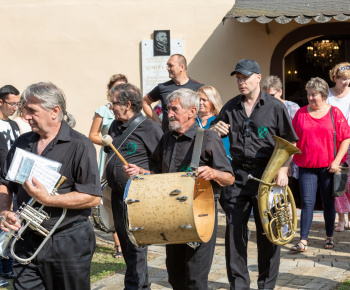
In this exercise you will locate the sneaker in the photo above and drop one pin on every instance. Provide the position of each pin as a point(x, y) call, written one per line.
point(9, 275)
point(3, 283)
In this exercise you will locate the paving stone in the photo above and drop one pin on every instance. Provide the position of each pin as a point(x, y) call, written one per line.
point(315, 269)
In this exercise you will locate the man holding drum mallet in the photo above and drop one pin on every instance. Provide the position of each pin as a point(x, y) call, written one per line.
point(135, 137)
point(188, 267)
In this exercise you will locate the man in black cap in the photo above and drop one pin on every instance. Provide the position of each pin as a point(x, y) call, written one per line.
point(250, 120)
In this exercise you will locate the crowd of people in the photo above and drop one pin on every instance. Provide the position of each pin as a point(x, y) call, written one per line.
point(237, 142)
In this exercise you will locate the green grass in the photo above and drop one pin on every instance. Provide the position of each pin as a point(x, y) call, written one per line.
point(103, 264)
point(345, 285)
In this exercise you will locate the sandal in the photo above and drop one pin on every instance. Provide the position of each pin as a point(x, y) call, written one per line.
point(117, 253)
point(340, 227)
point(299, 247)
point(329, 244)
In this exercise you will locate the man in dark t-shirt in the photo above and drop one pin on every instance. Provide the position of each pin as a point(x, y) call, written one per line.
point(177, 68)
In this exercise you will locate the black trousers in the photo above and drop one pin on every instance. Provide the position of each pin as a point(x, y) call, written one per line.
point(238, 200)
point(136, 275)
point(63, 263)
point(189, 268)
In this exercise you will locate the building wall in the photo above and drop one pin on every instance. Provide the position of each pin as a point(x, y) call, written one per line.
point(79, 44)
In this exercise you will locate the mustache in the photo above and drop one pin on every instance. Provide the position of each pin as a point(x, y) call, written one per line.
point(172, 119)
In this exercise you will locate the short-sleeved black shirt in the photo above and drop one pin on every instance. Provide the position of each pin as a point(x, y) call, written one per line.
point(161, 92)
point(136, 149)
point(78, 157)
point(251, 138)
point(174, 153)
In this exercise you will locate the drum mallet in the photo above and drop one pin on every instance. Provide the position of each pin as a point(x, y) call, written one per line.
point(108, 141)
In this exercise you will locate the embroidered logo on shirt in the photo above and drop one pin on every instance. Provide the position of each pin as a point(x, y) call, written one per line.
point(185, 168)
point(262, 132)
point(131, 148)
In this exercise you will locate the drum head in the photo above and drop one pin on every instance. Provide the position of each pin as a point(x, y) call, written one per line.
point(103, 215)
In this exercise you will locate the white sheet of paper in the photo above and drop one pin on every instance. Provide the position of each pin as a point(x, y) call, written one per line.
point(25, 165)
point(45, 175)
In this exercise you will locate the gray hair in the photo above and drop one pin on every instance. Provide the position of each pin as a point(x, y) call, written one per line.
point(187, 98)
point(272, 82)
point(128, 93)
point(49, 97)
point(319, 85)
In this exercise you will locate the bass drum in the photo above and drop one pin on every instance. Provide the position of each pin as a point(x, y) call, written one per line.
point(102, 215)
point(171, 208)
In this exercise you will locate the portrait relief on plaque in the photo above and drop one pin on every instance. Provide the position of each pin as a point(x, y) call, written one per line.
point(161, 42)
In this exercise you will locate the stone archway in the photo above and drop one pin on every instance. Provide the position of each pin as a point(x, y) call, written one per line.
point(305, 32)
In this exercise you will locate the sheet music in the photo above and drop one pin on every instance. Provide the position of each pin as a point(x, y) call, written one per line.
point(25, 165)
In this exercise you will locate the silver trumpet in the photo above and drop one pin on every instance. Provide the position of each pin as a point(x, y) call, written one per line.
point(33, 219)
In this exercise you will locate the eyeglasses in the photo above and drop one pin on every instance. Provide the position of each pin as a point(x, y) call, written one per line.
point(246, 128)
point(343, 68)
point(12, 104)
point(113, 104)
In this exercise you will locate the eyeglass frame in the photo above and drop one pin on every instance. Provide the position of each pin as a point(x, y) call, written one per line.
point(343, 68)
point(112, 104)
point(13, 104)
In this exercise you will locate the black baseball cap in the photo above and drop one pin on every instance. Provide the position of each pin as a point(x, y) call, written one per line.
point(247, 67)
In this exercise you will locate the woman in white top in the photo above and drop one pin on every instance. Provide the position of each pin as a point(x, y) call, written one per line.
point(339, 96)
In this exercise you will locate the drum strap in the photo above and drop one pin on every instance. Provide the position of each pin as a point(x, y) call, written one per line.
point(197, 149)
point(131, 128)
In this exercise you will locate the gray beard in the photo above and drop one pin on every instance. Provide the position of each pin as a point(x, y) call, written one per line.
point(174, 125)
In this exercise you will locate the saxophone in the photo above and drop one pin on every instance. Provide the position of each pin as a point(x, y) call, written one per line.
point(278, 220)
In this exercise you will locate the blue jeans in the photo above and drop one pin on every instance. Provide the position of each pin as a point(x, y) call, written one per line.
point(309, 179)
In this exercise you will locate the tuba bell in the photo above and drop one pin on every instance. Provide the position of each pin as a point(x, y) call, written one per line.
point(33, 219)
point(278, 220)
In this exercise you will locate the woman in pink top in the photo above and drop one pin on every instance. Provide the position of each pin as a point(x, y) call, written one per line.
point(314, 127)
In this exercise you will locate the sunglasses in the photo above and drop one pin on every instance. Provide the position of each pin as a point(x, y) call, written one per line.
point(343, 68)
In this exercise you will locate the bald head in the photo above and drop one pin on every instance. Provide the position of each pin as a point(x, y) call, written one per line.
point(180, 59)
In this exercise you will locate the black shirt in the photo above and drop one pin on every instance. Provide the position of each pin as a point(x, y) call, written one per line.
point(78, 157)
point(136, 149)
point(161, 92)
point(174, 153)
point(251, 138)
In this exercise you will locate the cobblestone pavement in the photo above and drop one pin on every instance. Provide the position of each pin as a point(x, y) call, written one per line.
point(315, 269)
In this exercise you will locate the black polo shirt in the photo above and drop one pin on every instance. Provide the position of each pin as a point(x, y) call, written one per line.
point(161, 92)
point(174, 153)
point(136, 149)
point(251, 138)
point(78, 157)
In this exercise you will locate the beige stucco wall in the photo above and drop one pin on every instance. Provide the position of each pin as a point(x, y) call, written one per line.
point(78, 44)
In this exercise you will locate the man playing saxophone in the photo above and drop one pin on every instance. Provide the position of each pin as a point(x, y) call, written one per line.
point(250, 120)
point(64, 261)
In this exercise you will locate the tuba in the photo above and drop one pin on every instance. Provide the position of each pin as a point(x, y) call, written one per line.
point(278, 221)
point(33, 218)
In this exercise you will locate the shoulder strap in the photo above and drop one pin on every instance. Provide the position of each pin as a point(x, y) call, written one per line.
point(134, 124)
point(197, 148)
point(131, 128)
point(335, 134)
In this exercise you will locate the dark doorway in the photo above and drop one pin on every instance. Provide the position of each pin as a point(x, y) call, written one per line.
point(313, 59)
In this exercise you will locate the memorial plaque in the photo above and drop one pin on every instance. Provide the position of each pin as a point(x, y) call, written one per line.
point(154, 67)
